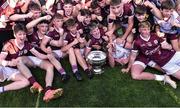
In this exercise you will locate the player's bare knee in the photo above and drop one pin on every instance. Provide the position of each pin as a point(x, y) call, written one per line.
point(135, 76)
point(70, 50)
point(49, 66)
point(112, 65)
point(135, 73)
point(25, 82)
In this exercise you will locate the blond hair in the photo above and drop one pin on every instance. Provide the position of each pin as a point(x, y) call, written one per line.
point(144, 24)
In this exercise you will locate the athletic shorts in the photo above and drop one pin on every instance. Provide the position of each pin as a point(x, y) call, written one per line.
point(173, 65)
point(8, 73)
point(35, 60)
point(82, 50)
point(58, 53)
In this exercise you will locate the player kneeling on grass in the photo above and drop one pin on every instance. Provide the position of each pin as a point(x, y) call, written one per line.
point(151, 47)
point(14, 54)
point(19, 81)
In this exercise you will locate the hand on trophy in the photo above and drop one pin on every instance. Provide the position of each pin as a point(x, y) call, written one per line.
point(98, 47)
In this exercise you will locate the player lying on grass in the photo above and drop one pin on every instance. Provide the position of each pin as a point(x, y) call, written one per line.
point(148, 46)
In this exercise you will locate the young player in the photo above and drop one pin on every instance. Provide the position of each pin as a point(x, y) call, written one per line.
point(152, 47)
point(121, 18)
point(14, 54)
point(166, 24)
point(75, 41)
point(145, 12)
point(68, 10)
point(97, 40)
point(119, 52)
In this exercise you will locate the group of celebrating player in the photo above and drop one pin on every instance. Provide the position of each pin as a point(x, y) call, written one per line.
point(135, 33)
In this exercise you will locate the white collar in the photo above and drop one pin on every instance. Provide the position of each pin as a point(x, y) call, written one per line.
point(19, 46)
point(74, 35)
point(39, 35)
point(55, 29)
point(145, 39)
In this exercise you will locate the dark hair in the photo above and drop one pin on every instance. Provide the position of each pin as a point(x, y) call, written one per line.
point(19, 27)
point(93, 25)
point(168, 4)
point(33, 6)
point(140, 9)
point(115, 2)
point(70, 22)
point(99, 0)
point(68, 2)
point(44, 22)
point(94, 4)
point(57, 16)
point(85, 12)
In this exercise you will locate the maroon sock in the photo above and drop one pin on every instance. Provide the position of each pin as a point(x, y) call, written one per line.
point(62, 71)
point(47, 88)
point(86, 70)
point(31, 80)
point(74, 68)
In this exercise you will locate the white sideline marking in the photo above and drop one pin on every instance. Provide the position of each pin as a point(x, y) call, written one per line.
point(172, 94)
point(37, 101)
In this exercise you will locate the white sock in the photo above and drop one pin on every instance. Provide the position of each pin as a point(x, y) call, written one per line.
point(1, 89)
point(159, 77)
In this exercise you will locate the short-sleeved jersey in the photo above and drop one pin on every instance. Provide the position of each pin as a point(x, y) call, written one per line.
point(142, 58)
point(123, 19)
point(167, 26)
point(12, 50)
point(86, 30)
point(151, 48)
point(34, 39)
point(53, 35)
point(97, 41)
point(70, 38)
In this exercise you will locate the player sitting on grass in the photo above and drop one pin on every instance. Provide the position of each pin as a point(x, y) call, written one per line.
point(19, 81)
point(14, 54)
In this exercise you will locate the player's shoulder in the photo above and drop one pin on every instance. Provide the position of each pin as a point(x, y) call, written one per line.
point(129, 9)
point(9, 45)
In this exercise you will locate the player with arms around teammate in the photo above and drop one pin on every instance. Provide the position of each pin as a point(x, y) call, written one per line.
point(18, 48)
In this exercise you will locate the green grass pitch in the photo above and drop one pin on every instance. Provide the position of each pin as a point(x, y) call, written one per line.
point(110, 89)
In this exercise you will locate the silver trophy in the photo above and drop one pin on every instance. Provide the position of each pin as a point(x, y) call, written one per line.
point(97, 59)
